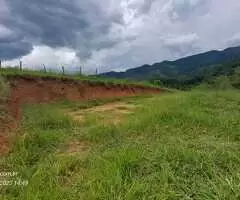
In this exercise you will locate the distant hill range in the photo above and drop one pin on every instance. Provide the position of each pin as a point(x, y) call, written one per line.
point(181, 68)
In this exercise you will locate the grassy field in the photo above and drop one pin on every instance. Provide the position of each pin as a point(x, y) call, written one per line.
point(172, 146)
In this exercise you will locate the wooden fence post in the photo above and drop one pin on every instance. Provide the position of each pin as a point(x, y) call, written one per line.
point(20, 65)
point(80, 70)
point(63, 71)
point(0, 64)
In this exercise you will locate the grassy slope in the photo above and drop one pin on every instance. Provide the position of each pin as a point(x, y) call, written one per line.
point(176, 146)
point(9, 72)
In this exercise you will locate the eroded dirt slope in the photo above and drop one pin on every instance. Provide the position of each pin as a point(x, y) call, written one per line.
point(44, 90)
point(35, 90)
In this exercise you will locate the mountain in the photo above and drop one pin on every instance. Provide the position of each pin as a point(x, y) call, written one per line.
point(179, 69)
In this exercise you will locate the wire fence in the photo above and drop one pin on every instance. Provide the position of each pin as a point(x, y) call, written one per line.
point(44, 68)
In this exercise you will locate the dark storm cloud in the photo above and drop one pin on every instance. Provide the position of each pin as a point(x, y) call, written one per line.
point(12, 45)
point(13, 50)
point(80, 26)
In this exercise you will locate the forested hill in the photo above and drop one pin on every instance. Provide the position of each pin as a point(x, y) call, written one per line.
point(179, 69)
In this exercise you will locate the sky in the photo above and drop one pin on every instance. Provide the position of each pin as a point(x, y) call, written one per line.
point(113, 34)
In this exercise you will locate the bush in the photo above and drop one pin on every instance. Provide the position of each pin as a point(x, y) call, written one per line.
point(222, 82)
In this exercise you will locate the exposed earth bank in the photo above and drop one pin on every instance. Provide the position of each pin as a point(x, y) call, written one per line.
point(24, 89)
point(38, 90)
point(27, 89)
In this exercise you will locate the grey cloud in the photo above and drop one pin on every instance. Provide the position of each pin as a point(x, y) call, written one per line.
point(83, 26)
point(14, 50)
point(182, 9)
point(235, 40)
point(182, 45)
point(12, 45)
point(7, 36)
point(146, 6)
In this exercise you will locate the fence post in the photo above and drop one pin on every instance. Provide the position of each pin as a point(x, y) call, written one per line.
point(45, 69)
point(80, 70)
point(20, 65)
point(96, 71)
point(63, 71)
point(0, 64)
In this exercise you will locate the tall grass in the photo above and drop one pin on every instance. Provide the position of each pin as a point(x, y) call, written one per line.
point(4, 89)
point(176, 146)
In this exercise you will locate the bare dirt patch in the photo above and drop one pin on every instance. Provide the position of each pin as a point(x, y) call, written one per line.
point(112, 113)
point(75, 147)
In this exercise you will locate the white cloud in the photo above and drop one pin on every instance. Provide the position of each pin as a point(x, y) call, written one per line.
point(181, 40)
point(51, 58)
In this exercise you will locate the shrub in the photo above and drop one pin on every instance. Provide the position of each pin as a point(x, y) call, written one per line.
point(222, 82)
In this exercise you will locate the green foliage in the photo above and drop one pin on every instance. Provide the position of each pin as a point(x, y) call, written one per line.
point(222, 82)
point(4, 87)
point(222, 76)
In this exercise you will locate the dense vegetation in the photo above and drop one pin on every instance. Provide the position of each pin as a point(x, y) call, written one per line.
point(220, 76)
point(174, 146)
point(190, 71)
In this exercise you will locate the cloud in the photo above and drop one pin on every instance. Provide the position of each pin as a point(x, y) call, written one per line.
point(181, 40)
point(114, 34)
point(12, 45)
point(234, 40)
point(51, 58)
point(183, 9)
point(82, 26)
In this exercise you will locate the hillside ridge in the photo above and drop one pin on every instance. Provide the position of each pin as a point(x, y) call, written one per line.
point(187, 66)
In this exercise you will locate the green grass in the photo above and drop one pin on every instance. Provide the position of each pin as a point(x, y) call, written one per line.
point(175, 146)
point(4, 89)
point(12, 72)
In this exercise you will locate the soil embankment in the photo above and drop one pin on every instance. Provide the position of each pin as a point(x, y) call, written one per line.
point(43, 90)
point(26, 89)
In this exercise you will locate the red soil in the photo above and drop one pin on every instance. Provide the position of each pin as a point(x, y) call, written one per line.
point(43, 90)
point(40, 90)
